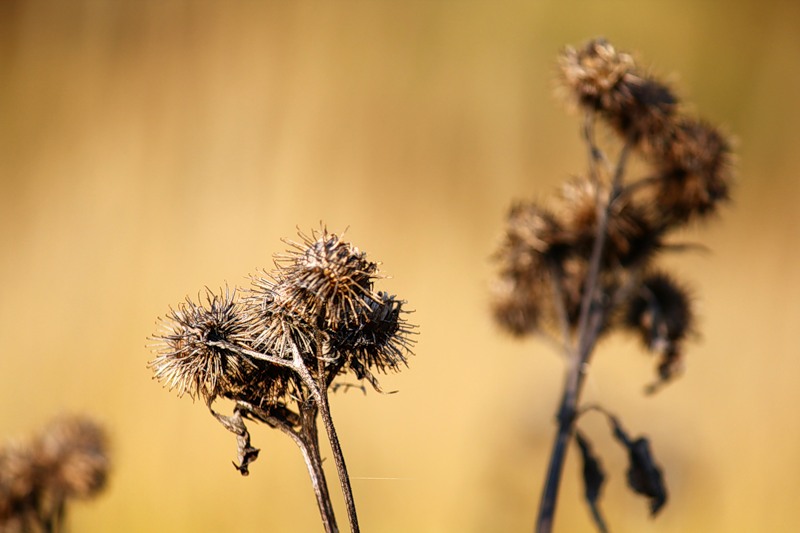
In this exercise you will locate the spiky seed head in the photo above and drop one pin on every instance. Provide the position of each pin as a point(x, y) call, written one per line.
point(696, 163)
point(532, 239)
point(276, 322)
point(380, 340)
point(19, 476)
point(76, 450)
point(191, 353)
point(661, 313)
point(633, 234)
point(325, 279)
point(517, 305)
point(602, 79)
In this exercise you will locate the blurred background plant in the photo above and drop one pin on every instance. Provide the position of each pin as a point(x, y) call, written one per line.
point(585, 264)
point(151, 147)
point(68, 460)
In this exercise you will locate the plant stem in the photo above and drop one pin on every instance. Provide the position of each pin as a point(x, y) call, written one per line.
point(320, 396)
point(590, 321)
point(566, 418)
point(309, 446)
point(338, 457)
point(307, 440)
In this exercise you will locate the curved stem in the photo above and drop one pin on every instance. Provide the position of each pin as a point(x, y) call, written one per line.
point(307, 441)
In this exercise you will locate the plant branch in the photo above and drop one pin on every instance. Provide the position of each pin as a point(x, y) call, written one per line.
point(590, 321)
point(307, 440)
point(320, 397)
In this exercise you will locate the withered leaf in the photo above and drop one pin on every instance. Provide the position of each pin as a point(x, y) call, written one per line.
point(593, 479)
point(235, 424)
point(644, 475)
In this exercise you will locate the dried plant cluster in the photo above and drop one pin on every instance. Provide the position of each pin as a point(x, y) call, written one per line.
point(585, 264)
point(276, 348)
point(68, 460)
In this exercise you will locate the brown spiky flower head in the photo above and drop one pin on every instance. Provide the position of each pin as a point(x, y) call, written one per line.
point(321, 301)
point(584, 262)
point(276, 349)
point(692, 159)
point(326, 278)
point(609, 82)
point(195, 347)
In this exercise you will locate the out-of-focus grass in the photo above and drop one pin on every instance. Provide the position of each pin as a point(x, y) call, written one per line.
point(148, 149)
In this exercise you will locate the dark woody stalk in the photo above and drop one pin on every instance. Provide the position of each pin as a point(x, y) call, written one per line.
point(586, 266)
point(277, 350)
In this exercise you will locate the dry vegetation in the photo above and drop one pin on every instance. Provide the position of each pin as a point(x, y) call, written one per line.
point(150, 149)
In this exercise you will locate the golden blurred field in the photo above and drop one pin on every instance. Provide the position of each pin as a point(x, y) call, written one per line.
point(149, 149)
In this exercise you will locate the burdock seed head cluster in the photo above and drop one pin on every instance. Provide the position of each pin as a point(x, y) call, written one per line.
point(585, 264)
point(67, 460)
point(546, 258)
point(276, 347)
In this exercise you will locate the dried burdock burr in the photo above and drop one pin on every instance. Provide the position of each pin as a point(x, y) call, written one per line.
point(276, 350)
point(68, 460)
point(583, 266)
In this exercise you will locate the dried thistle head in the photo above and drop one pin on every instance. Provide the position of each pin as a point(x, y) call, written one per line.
point(325, 279)
point(193, 353)
point(661, 312)
point(69, 459)
point(633, 232)
point(533, 236)
point(533, 244)
point(19, 477)
point(517, 305)
point(696, 162)
point(607, 81)
point(276, 322)
point(379, 340)
point(75, 449)
point(607, 231)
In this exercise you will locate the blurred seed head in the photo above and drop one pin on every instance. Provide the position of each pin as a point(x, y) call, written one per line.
point(661, 313)
point(696, 163)
point(69, 459)
point(75, 450)
point(19, 477)
point(533, 243)
point(633, 234)
point(517, 305)
point(534, 238)
point(609, 82)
